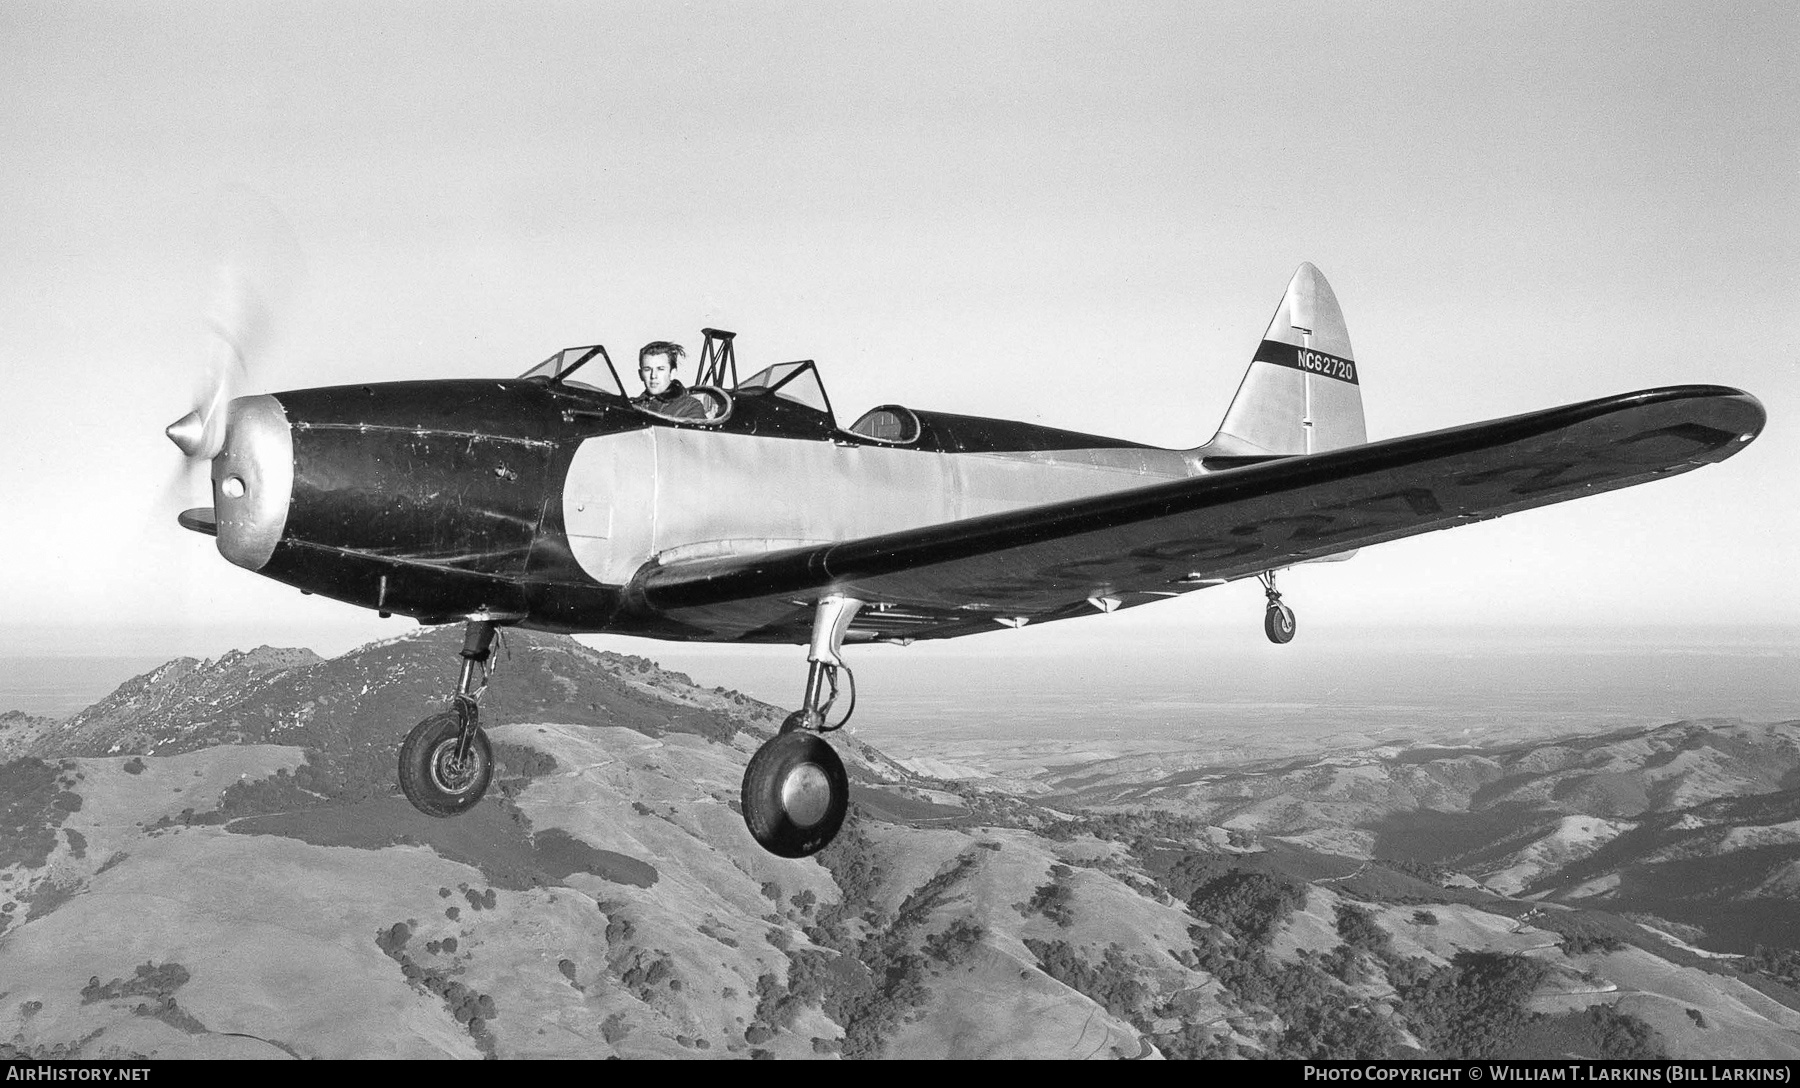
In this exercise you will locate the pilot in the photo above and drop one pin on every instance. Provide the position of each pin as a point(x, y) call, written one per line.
point(663, 394)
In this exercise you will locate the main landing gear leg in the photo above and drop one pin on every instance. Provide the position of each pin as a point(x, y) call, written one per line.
point(445, 762)
point(1278, 618)
point(795, 790)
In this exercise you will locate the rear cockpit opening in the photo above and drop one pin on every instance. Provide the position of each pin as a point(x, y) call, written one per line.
point(889, 424)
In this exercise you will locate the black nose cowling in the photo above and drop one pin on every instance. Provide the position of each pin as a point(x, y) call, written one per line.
point(415, 498)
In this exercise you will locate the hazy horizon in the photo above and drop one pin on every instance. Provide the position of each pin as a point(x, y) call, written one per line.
point(1047, 701)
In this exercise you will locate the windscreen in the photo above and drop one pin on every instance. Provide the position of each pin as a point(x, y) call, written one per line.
point(798, 382)
point(598, 377)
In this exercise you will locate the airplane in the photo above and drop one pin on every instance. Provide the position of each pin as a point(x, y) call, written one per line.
point(551, 501)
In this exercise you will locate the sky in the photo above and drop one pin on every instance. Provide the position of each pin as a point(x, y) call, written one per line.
point(1079, 214)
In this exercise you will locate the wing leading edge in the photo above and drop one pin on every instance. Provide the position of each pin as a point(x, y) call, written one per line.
point(1047, 562)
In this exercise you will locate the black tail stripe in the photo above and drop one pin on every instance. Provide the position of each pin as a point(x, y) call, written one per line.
point(1306, 360)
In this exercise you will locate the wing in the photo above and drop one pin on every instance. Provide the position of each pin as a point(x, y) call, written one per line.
point(1047, 562)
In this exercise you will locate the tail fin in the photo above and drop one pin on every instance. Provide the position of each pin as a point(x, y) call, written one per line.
point(1300, 394)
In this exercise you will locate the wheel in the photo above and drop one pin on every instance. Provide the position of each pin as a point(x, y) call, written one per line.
point(433, 779)
point(1278, 623)
point(795, 794)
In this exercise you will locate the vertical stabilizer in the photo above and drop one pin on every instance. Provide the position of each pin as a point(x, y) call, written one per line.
point(1301, 394)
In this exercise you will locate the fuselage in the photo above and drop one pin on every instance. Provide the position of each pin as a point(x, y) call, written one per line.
point(538, 503)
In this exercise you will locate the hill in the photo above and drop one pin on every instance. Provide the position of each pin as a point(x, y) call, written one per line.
point(213, 862)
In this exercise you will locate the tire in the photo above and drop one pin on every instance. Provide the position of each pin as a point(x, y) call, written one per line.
point(428, 776)
point(1278, 624)
point(795, 795)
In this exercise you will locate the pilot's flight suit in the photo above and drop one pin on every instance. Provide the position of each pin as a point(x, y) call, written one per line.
point(674, 402)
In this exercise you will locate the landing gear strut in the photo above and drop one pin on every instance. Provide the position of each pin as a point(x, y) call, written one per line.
point(445, 762)
point(1278, 618)
point(795, 790)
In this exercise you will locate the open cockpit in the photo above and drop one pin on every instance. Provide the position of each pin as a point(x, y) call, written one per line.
point(788, 400)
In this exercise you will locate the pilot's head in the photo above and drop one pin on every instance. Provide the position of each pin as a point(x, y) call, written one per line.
point(657, 361)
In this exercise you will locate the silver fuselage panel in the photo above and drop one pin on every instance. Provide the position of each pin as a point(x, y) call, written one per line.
point(676, 494)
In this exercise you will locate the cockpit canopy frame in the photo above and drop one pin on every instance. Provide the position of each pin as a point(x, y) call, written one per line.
point(558, 367)
point(797, 381)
